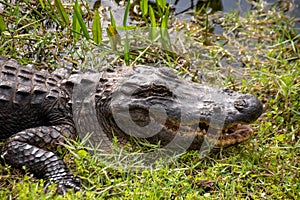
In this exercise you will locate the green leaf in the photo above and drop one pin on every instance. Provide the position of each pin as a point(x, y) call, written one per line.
point(77, 11)
point(153, 23)
point(161, 3)
point(82, 153)
point(2, 25)
point(144, 7)
point(62, 13)
point(165, 37)
point(112, 20)
point(126, 13)
point(152, 16)
point(164, 21)
point(280, 138)
point(126, 46)
point(126, 28)
point(75, 27)
point(96, 28)
point(164, 26)
point(126, 50)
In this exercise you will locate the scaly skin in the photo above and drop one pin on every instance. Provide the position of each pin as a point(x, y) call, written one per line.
point(34, 120)
point(37, 114)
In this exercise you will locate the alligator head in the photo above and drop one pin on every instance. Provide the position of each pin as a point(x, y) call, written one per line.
point(159, 106)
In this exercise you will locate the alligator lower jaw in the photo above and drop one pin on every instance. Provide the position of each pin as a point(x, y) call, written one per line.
point(238, 134)
point(219, 138)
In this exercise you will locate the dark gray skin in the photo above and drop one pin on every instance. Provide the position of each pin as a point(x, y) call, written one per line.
point(37, 114)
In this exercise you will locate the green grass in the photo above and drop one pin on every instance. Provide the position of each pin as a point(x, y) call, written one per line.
point(264, 47)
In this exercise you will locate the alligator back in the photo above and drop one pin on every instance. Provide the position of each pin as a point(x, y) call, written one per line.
point(28, 97)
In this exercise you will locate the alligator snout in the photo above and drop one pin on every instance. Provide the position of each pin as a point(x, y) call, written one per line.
point(249, 107)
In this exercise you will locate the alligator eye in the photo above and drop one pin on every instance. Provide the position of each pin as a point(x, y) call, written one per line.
point(227, 90)
point(153, 90)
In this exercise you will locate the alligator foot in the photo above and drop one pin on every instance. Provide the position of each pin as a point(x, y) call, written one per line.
point(33, 148)
point(66, 183)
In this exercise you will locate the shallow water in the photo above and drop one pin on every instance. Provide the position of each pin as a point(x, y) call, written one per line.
point(185, 10)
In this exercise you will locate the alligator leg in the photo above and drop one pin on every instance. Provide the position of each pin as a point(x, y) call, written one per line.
point(34, 147)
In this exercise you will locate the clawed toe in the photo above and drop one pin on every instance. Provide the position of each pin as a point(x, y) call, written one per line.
point(64, 184)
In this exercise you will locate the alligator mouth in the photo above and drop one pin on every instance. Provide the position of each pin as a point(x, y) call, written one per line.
point(226, 137)
point(216, 137)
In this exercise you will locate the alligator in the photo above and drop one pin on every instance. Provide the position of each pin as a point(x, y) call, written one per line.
point(37, 114)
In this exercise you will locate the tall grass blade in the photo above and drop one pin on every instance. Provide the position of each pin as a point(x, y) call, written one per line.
point(162, 4)
point(126, 46)
point(75, 27)
point(126, 50)
point(164, 21)
point(152, 16)
point(164, 26)
point(126, 13)
point(144, 7)
point(112, 20)
point(42, 4)
point(29, 4)
point(52, 12)
point(166, 42)
point(96, 28)
point(77, 11)
point(62, 13)
point(153, 23)
point(49, 3)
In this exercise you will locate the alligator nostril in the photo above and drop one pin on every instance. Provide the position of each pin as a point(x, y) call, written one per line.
point(249, 108)
point(241, 104)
